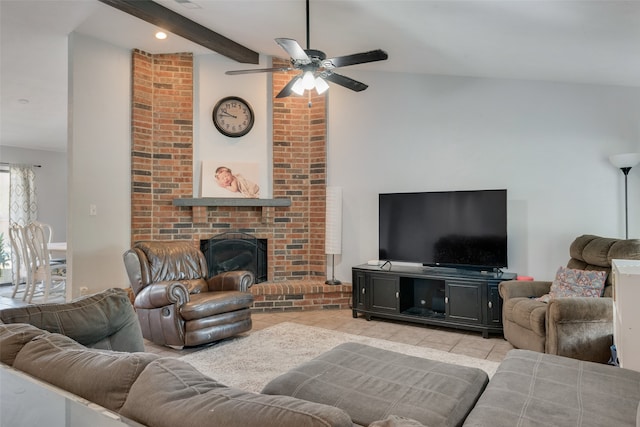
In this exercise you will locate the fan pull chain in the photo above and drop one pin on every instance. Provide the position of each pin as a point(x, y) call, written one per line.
point(308, 41)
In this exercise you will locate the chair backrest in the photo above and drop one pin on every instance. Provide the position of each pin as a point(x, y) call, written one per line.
point(36, 237)
point(46, 229)
point(589, 252)
point(166, 260)
point(18, 248)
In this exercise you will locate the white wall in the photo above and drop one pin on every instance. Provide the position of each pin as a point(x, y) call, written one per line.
point(99, 158)
point(51, 184)
point(546, 143)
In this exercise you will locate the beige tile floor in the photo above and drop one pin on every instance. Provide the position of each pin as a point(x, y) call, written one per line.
point(451, 340)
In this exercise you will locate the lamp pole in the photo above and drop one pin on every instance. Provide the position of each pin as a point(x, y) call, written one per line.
point(625, 171)
point(625, 162)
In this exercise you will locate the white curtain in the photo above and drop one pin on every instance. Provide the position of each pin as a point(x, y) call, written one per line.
point(23, 206)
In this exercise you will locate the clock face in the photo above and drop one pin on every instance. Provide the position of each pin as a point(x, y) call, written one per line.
point(233, 116)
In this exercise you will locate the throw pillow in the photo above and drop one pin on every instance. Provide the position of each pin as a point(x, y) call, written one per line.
point(571, 282)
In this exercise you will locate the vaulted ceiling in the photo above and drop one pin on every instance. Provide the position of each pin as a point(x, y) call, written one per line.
point(593, 42)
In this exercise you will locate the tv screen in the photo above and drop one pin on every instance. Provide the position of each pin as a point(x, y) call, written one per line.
point(447, 228)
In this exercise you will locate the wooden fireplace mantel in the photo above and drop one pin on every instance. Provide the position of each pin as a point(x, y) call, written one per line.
point(230, 201)
point(200, 205)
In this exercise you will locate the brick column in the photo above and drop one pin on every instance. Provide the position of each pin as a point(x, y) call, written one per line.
point(299, 172)
point(162, 152)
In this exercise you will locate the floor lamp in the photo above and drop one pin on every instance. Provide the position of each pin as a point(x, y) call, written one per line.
point(333, 229)
point(625, 162)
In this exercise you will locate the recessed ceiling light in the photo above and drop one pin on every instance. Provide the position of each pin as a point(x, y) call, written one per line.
point(161, 35)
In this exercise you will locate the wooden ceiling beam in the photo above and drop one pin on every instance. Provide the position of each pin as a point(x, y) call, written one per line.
point(175, 23)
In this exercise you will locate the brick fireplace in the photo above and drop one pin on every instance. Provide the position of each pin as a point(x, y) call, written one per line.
point(162, 171)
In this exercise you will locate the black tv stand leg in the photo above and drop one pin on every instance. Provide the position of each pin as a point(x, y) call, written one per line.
point(485, 334)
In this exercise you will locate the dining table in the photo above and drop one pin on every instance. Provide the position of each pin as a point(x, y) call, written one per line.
point(58, 250)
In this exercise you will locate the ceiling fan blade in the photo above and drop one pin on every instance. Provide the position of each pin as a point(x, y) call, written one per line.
point(257, 70)
point(287, 90)
point(294, 50)
point(347, 82)
point(356, 58)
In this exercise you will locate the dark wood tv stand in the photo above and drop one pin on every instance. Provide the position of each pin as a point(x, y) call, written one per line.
point(456, 298)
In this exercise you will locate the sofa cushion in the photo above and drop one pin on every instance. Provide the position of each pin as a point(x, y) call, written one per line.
point(212, 303)
point(13, 337)
point(173, 393)
point(102, 377)
point(396, 421)
point(593, 250)
point(570, 282)
point(624, 249)
point(174, 260)
point(528, 313)
point(370, 384)
point(536, 389)
point(104, 320)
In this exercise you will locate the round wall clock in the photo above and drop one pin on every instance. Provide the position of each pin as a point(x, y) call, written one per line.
point(233, 116)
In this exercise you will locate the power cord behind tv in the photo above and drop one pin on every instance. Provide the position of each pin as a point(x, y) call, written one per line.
point(385, 264)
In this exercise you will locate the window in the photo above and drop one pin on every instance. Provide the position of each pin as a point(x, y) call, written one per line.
point(5, 270)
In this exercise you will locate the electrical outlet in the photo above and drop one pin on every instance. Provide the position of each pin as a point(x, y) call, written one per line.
point(93, 210)
point(84, 291)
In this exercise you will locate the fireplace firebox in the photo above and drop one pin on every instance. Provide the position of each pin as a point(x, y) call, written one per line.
point(236, 251)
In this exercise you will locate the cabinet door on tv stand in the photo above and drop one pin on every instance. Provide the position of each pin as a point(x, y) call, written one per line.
point(360, 292)
point(463, 301)
point(494, 306)
point(384, 293)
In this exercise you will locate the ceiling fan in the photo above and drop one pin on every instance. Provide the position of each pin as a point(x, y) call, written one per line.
point(316, 67)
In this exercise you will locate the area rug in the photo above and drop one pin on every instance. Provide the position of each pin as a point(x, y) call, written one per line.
point(249, 362)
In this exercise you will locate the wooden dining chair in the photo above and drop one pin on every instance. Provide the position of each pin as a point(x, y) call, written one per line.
point(46, 276)
point(20, 272)
point(48, 236)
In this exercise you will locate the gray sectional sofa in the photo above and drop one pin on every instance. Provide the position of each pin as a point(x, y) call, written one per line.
point(91, 348)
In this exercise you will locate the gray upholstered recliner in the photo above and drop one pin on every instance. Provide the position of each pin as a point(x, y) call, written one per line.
point(177, 304)
point(577, 327)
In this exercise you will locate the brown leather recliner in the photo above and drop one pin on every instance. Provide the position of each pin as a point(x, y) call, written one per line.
point(576, 327)
point(177, 304)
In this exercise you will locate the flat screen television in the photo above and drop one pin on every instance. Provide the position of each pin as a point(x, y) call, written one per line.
point(462, 229)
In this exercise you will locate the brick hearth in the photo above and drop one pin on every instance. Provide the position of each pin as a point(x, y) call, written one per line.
point(297, 295)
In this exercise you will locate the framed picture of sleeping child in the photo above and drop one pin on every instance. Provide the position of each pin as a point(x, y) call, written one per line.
point(229, 179)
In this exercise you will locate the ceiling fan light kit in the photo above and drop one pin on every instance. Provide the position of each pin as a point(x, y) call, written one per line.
point(321, 85)
point(315, 68)
point(298, 86)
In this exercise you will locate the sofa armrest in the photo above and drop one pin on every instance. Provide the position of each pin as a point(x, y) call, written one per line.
point(580, 328)
point(161, 294)
point(238, 280)
point(523, 289)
